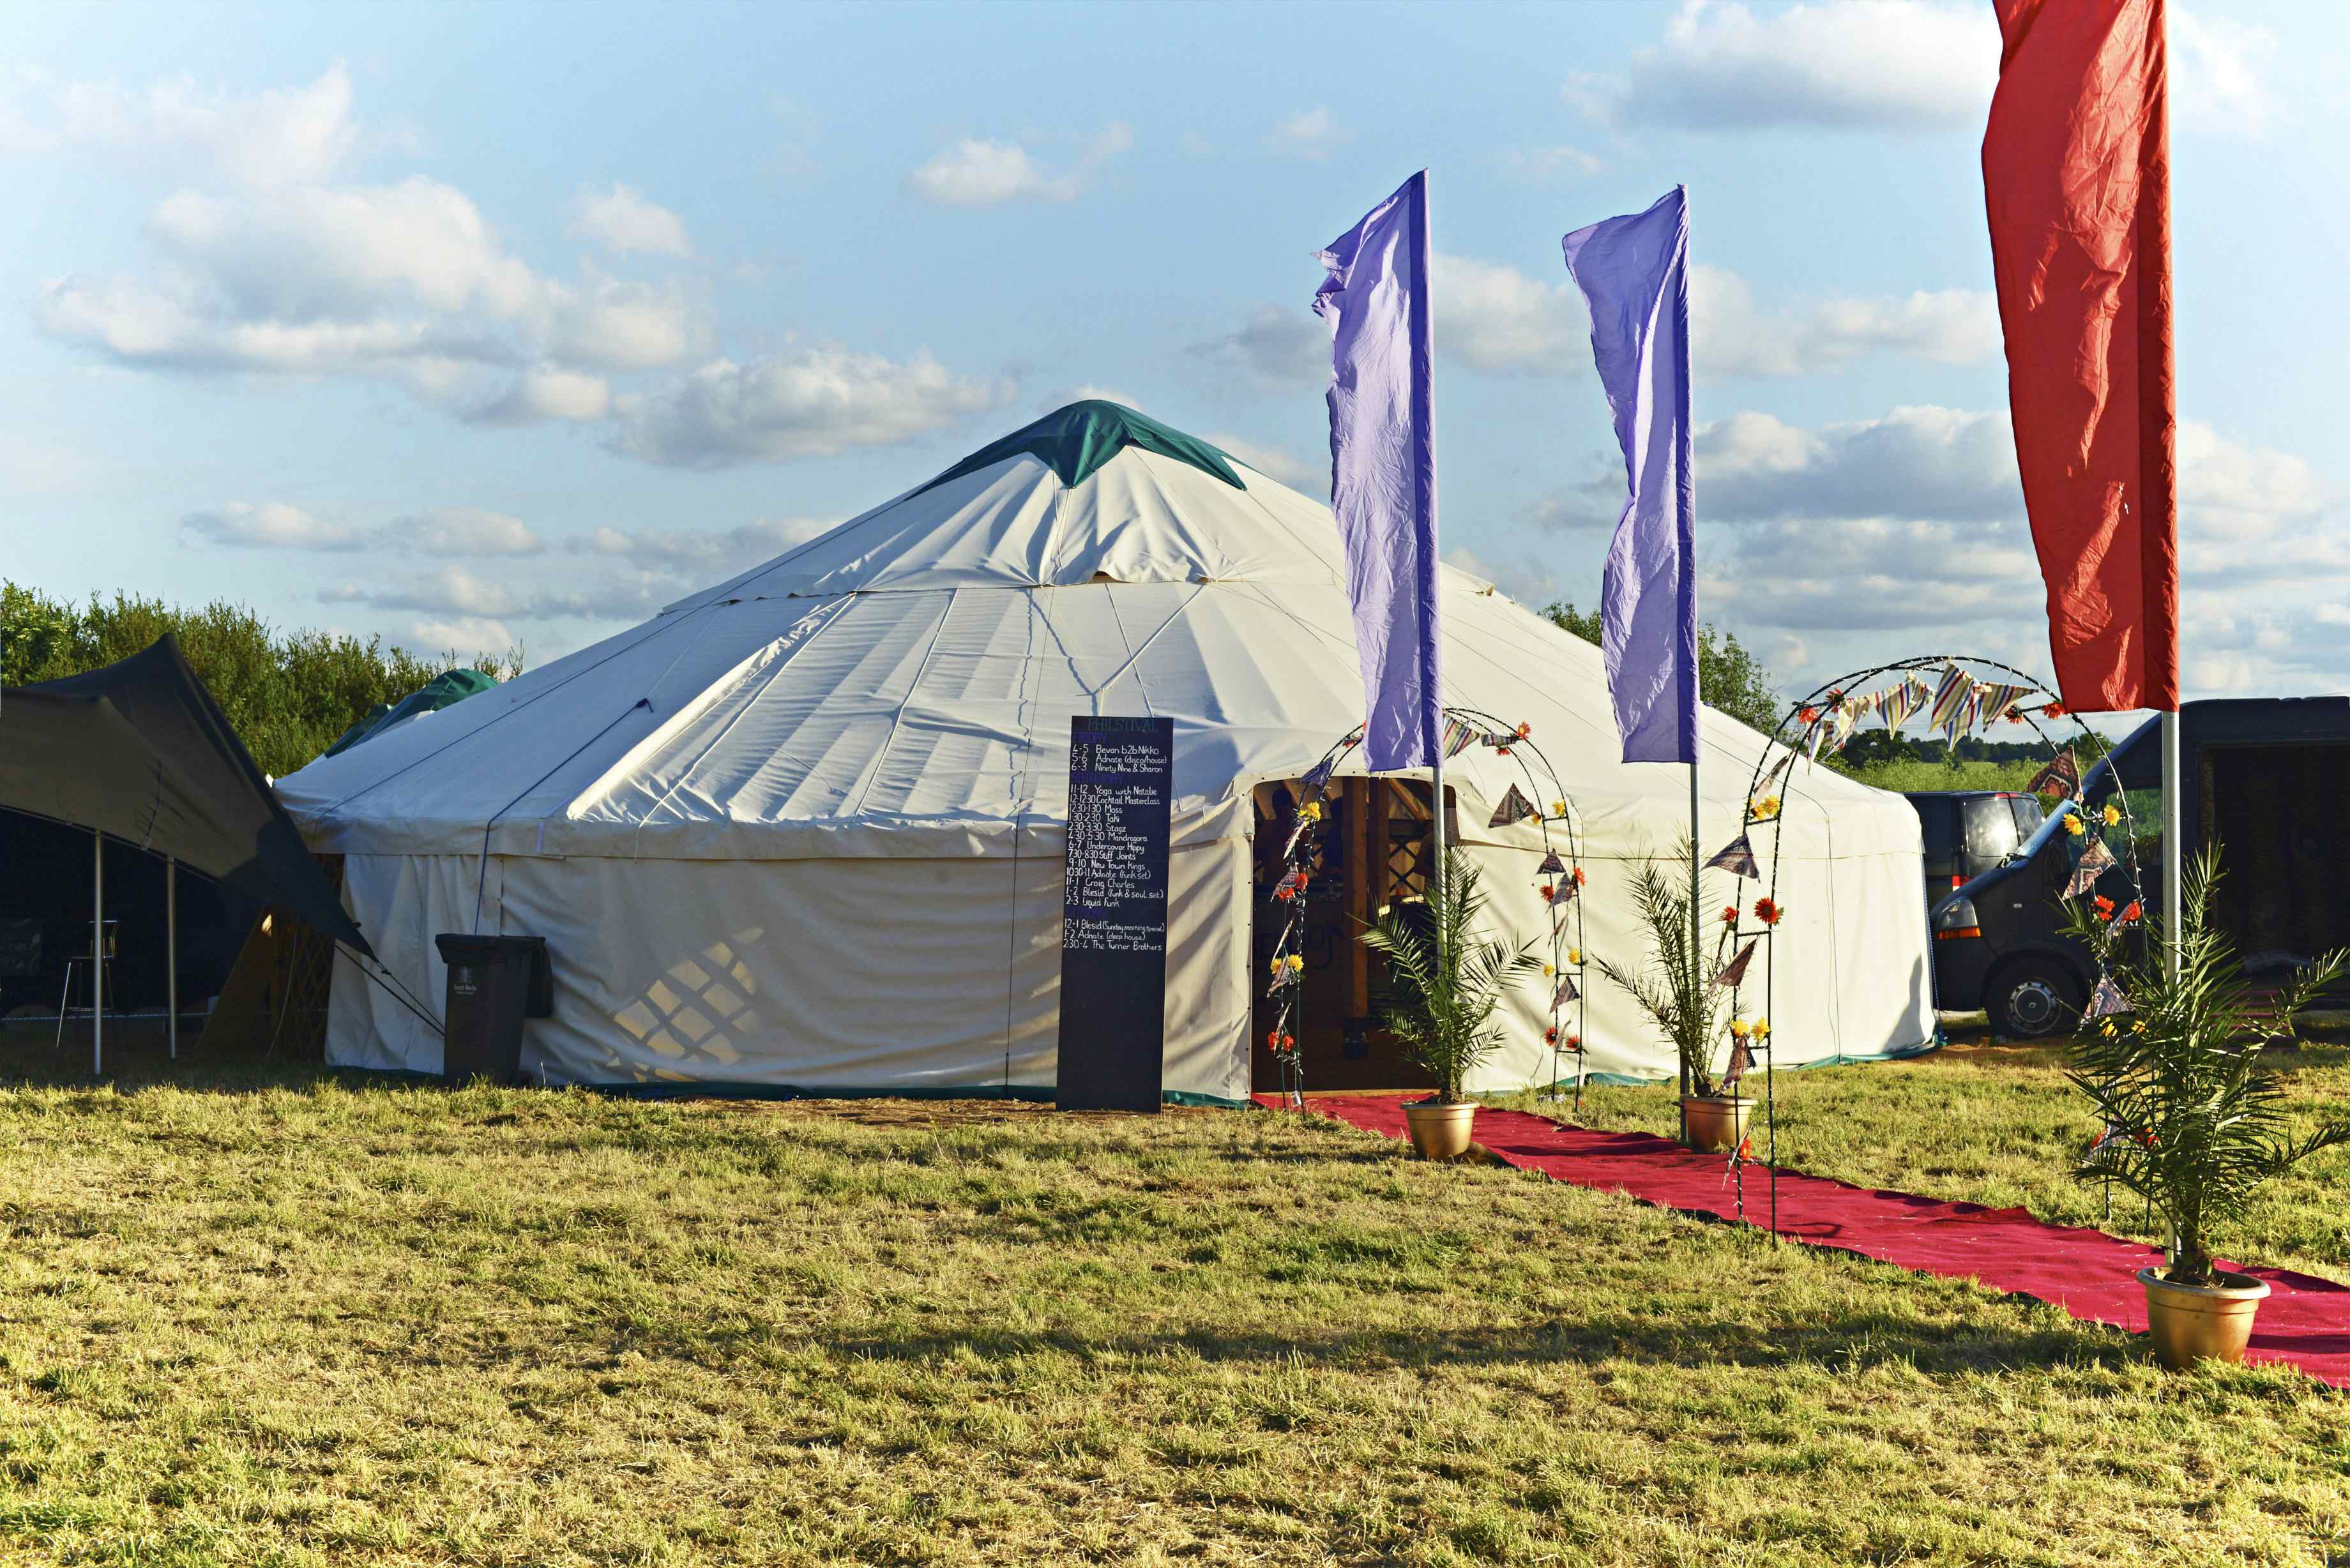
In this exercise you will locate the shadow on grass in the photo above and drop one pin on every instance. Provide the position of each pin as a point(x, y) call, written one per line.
point(1847, 1342)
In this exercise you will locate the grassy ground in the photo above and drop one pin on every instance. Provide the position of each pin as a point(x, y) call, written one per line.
point(276, 1316)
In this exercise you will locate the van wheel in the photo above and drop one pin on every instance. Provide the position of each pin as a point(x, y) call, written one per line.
point(2031, 998)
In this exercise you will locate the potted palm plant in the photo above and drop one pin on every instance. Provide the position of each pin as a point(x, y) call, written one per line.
point(1675, 987)
point(2170, 1056)
point(1436, 993)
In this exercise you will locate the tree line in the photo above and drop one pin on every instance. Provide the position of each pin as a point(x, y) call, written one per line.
point(289, 694)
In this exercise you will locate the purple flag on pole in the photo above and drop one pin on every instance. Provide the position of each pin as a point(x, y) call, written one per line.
point(1383, 470)
point(1634, 271)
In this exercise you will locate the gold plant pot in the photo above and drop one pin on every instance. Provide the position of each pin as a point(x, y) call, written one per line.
point(2201, 1323)
point(1716, 1122)
point(1440, 1132)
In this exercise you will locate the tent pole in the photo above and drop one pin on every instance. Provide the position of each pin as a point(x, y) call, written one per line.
point(97, 953)
point(2173, 844)
point(172, 955)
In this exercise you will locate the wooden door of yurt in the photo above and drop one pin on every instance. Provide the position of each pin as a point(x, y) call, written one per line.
point(1376, 850)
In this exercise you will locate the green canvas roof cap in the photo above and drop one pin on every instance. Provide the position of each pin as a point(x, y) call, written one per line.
point(1074, 442)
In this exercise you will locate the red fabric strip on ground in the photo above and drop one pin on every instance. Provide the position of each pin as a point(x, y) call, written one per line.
point(2092, 1275)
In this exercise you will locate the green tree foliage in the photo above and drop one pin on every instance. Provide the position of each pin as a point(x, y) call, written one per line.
point(1730, 679)
point(289, 695)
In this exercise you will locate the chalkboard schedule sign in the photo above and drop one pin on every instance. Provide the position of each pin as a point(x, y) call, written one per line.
point(1113, 914)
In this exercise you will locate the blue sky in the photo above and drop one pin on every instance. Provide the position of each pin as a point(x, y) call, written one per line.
point(470, 325)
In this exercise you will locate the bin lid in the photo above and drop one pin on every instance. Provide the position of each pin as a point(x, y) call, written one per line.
point(466, 948)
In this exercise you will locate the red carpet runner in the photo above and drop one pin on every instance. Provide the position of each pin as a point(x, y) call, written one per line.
point(2090, 1274)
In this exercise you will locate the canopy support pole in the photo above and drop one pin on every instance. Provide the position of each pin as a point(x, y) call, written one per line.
point(172, 955)
point(97, 954)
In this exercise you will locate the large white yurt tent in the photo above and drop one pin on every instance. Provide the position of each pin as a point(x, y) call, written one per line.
point(804, 831)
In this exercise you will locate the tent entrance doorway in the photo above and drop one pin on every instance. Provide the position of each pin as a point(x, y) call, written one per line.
point(1376, 850)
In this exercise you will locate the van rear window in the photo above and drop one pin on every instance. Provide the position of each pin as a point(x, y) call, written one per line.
point(1991, 827)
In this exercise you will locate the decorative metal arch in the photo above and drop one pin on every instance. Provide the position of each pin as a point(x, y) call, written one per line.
point(1562, 882)
point(1830, 713)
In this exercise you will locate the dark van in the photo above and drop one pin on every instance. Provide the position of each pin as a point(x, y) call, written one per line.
point(1998, 942)
point(1969, 832)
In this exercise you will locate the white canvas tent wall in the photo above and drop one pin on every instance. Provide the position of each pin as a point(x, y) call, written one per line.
point(804, 830)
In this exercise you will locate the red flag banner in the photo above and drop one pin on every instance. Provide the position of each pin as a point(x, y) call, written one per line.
point(2076, 176)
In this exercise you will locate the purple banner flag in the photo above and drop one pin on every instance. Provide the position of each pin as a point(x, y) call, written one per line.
point(1634, 272)
point(1383, 470)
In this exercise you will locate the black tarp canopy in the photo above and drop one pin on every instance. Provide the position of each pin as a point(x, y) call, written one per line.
point(140, 751)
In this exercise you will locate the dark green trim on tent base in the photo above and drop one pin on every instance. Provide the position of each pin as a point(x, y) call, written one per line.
point(1076, 440)
point(1028, 1092)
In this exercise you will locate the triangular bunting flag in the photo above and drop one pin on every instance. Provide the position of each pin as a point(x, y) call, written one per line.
point(1459, 737)
point(1738, 859)
point(2061, 777)
point(1566, 993)
point(1841, 724)
point(2095, 860)
point(1319, 774)
point(1741, 1057)
point(2108, 999)
point(1999, 696)
point(1552, 866)
point(1514, 807)
point(1900, 704)
point(1950, 700)
point(1733, 973)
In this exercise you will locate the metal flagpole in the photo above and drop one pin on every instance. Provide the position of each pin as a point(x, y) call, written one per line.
point(172, 955)
point(2173, 878)
point(1427, 412)
point(1694, 938)
point(97, 953)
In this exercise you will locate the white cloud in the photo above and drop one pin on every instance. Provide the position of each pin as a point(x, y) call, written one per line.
point(670, 549)
point(1498, 318)
point(1731, 335)
point(1922, 461)
point(462, 531)
point(1824, 62)
point(2217, 66)
point(546, 392)
point(275, 137)
point(974, 172)
point(439, 531)
point(1279, 347)
point(622, 222)
point(1309, 133)
point(272, 524)
point(449, 590)
point(813, 402)
point(617, 325)
point(1301, 475)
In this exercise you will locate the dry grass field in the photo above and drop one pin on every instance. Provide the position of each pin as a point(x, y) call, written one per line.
point(261, 1315)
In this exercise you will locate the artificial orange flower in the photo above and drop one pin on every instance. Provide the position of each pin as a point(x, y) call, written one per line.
point(1768, 910)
